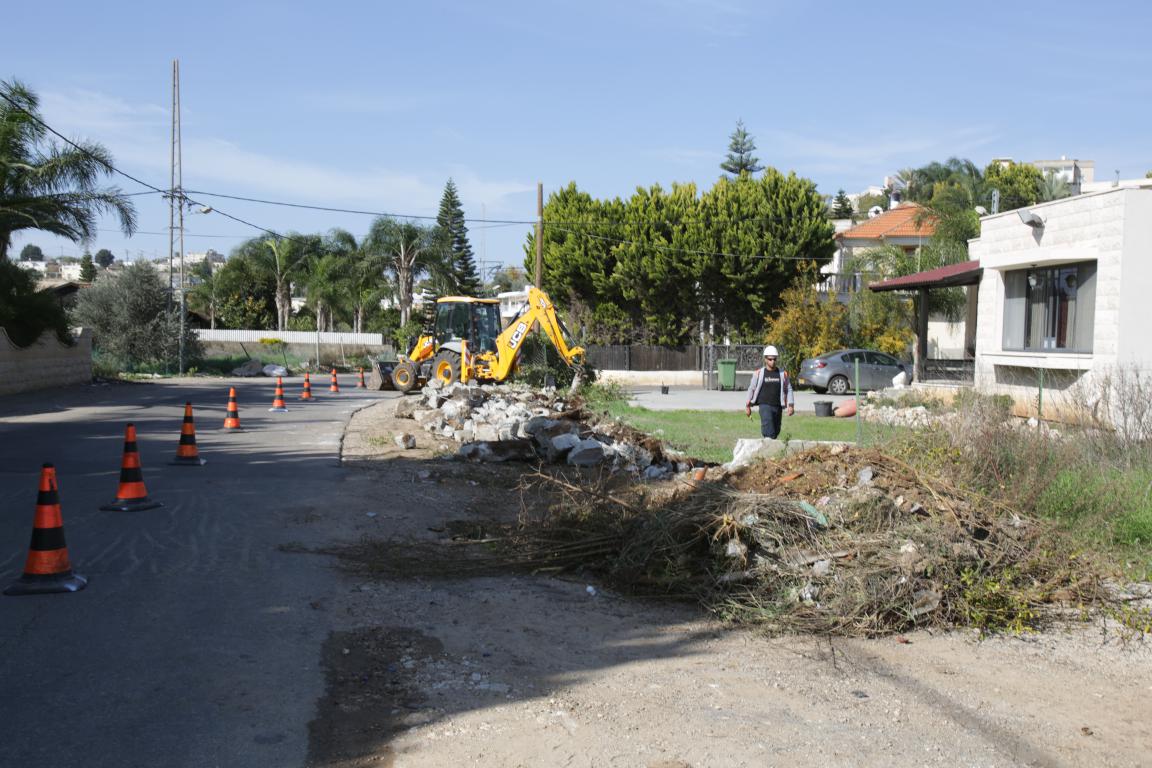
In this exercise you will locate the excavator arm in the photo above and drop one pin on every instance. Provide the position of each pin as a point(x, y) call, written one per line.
point(511, 341)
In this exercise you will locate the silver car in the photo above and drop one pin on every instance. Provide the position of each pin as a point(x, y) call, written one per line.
point(835, 372)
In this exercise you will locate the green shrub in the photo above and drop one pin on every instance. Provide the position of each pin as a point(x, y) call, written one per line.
point(132, 321)
point(25, 313)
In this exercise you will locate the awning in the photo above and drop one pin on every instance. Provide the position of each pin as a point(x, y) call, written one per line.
point(950, 276)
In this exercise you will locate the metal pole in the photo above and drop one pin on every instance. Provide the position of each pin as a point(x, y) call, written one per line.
point(856, 389)
point(1040, 401)
point(178, 153)
point(172, 199)
point(539, 232)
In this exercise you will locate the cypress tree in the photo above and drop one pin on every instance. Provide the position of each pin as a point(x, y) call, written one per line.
point(841, 206)
point(87, 268)
point(740, 158)
point(455, 232)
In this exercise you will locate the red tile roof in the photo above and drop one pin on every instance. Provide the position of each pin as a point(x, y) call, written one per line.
point(964, 273)
point(898, 222)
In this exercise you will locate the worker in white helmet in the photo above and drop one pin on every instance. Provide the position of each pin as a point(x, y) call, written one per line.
point(771, 391)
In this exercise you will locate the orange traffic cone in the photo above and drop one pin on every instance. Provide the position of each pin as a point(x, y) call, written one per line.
point(278, 401)
point(360, 384)
point(335, 385)
point(186, 453)
point(132, 495)
point(307, 393)
point(232, 415)
point(47, 568)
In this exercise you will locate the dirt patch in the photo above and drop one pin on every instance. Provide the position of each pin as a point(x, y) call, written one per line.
point(371, 695)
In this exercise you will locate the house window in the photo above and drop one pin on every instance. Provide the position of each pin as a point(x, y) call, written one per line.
point(1050, 309)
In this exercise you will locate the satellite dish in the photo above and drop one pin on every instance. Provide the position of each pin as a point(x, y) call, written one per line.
point(875, 211)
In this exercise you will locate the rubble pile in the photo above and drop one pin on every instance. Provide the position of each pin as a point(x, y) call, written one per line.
point(495, 423)
point(831, 539)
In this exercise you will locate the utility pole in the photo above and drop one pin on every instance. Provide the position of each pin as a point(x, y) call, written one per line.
point(539, 232)
point(176, 206)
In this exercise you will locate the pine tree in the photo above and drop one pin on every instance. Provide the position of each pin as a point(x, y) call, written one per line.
point(87, 268)
point(740, 158)
point(451, 222)
point(841, 206)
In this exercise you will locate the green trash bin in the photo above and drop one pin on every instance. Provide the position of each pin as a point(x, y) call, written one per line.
point(726, 373)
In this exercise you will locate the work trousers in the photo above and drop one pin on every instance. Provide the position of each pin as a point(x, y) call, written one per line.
point(770, 416)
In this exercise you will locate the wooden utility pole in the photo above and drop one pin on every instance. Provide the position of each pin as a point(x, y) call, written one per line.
point(539, 232)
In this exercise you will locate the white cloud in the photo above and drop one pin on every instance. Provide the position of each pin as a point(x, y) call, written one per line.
point(138, 136)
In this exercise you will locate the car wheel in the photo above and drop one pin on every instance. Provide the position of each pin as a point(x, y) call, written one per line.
point(838, 385)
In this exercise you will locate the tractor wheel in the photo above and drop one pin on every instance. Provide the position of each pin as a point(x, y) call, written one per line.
point(404, 376)
point(446, 367)
point(838, 385)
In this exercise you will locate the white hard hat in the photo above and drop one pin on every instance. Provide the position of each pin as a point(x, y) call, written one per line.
point(770, 351)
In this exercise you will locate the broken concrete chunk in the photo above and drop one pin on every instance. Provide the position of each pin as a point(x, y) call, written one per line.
point(486, 433)
point(586, 453)
point(405, 407)
point(535, 424)
point(656, 472)
point(748, 451)
point(565, 442)
point(498, 451)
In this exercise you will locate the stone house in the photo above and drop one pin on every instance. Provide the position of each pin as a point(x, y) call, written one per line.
point(1062, 297)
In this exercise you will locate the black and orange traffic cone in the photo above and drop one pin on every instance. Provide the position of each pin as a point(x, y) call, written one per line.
point(335, 386)
point(307, 393)
point(187, 454)
point(132, 495)
point(232, 415)
point(47, 568)
point(360, 383)
point(278, 400)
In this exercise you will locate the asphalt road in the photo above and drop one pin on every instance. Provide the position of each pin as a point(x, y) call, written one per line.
point(194, 643)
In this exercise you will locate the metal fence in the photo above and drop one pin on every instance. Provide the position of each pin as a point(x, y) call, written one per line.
point(962, 371)
point(644, 357)
point(293, 337)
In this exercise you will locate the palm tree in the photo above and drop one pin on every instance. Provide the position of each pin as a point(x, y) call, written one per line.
point(50, 187)
point(1054, 187)
point(365, 278)
point(327, 288)
point(283, 260)
point(408, 248)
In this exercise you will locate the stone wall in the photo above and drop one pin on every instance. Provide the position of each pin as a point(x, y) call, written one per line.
point(46, 363)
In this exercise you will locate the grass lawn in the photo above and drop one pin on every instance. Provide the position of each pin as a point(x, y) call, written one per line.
point(710, 435)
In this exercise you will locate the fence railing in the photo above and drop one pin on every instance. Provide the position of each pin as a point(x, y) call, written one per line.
point(936, 369)
point(293, 337)
point(644, 357)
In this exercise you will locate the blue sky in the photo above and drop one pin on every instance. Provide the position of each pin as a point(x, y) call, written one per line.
point(374, 105)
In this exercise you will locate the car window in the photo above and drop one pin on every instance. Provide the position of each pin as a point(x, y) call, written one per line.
point(879, 358)
point(851, 357)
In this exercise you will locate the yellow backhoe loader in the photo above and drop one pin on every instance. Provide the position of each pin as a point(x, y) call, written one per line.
point(466, 341)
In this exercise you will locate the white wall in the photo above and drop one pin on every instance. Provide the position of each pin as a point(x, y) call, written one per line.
point(1134, 344)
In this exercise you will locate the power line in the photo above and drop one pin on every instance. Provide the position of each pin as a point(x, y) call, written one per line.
point(330, 209)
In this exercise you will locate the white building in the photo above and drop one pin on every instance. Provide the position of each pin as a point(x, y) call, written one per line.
point(1062, 296)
